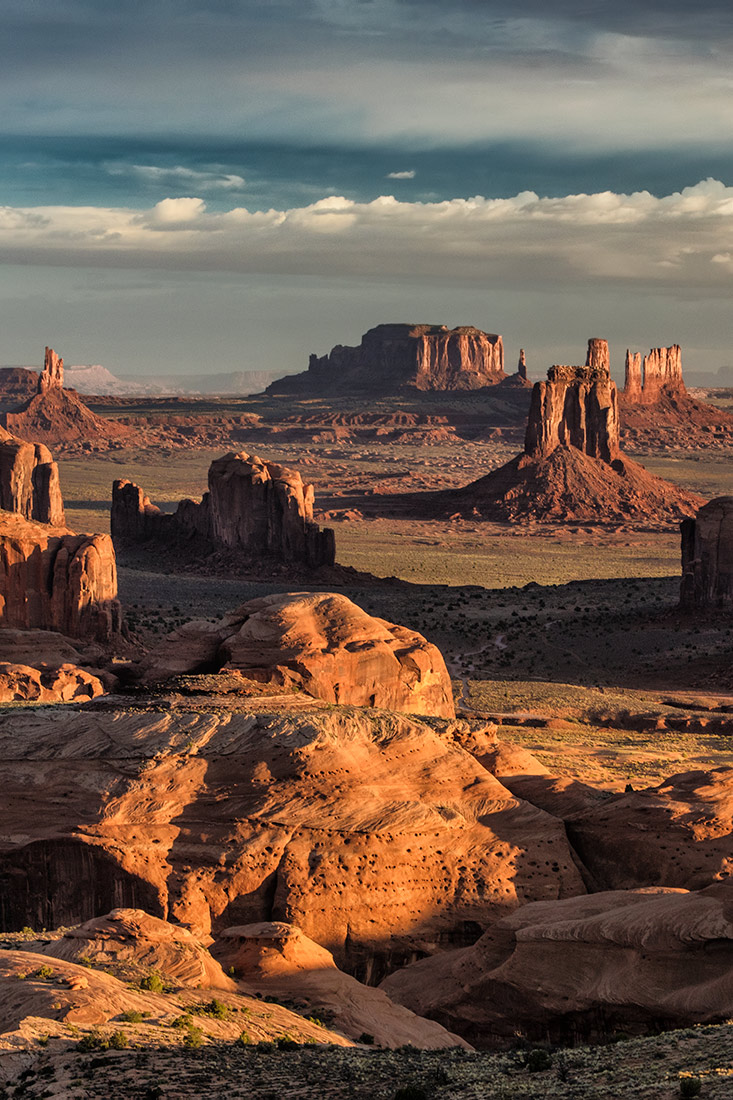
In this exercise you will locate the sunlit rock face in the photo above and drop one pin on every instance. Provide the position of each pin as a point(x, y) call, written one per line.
point(255, 507)
point(29, 481)
point(392, 357)
point(707, 556)
point(660, 374)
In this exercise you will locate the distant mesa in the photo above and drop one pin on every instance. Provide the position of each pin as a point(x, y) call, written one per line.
point(707, 557)
point(321, 643)
point(572, 468)
point(253, 507)
point(660, 374)
point(398, 356)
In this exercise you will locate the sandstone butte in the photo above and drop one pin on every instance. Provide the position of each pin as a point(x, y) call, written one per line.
point(318, 642)
point(54, 414)
point(392, 357)
point(29, 481)
point(707, 557)
point(379, 835)
point(572, 468)
point(254, 507)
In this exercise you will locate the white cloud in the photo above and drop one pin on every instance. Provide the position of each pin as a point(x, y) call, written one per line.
point(178, 174)
point(678, 241)
point(409, 175)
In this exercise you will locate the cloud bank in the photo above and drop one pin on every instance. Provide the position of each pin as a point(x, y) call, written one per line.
point(682, 241)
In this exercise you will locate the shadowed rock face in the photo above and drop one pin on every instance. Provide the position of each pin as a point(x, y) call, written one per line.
point(29, 481)
point(581, 967)
point(256, 507)
point(659, 375)
point(321, 643)
point(377, 833)
point(707, 556)
point(390, 357)
point(52, 579)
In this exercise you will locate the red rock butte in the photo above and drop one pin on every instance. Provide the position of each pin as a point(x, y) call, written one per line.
point(397, 356)
point(707, 557)
point(254, 507)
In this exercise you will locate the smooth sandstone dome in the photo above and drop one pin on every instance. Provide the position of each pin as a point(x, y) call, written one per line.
point(322, 643)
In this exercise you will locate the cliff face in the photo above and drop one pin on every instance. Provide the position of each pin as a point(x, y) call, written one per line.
point(256, 507)
point(52, 579)
point(29, 481)
point(660, 374)
point(707, 557)
point(576, 407)
point(52, 375)
point(391, 357)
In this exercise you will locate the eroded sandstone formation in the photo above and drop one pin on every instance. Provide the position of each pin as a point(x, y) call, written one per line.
point(29, 481)
point(707, 557)
point(254, 507)
point(584, 967)
point(572, 467)
point(660, 375)
point(522, 365)
point(317, 642)
point(379, 835)
point(576, 407)
point(52, 375)
point(52, 579)
point(391, 357)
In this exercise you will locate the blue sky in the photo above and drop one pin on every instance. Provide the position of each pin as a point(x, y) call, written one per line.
point(192, 185)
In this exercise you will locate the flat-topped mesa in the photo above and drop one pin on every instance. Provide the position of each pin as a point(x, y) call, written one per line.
point(252, 506)
point(392, 357)
point(707, 557)
point(29, 481)
point(659, 375)
point(53, 579)
point(576, 407)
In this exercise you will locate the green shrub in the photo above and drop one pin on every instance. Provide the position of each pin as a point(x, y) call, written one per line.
point(244, 1040)
point(690, 1086)
point(287, 1042)
point(183, 1021)
point(153, 983)
point(118, 1041)
point(366, 1038)
point(538, 1060)
point(132, 1016)
point(214, 1008)
point(194, 1038)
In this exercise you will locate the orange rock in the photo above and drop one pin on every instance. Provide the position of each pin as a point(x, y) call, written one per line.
point(29, 481)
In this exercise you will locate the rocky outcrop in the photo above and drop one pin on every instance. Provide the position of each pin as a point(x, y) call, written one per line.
point(379, 835)
point(52, 375)
point(52, 579)
point(29, 481)
point(391, 357)
point(584, 967)
point(707, 557)
point(522, 365)
point(576, 407)
point(317, 642)
point(278, 961)
point(572, 468)
point(63, 684)
point(54, 415)
point(252, 507)
point(659, 376)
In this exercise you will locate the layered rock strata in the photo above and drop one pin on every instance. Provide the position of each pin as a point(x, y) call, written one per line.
point(391, 357)
point(52, 579)
point(317, 642)
point(254, 507)
point(29, 481)
point(379, 835)
point(707, 557)
point(583, 967)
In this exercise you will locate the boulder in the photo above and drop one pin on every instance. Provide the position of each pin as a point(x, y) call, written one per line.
point(279, 961)
point(319, 642)
point(392, 357)
point(67, 683)
point(53, 579)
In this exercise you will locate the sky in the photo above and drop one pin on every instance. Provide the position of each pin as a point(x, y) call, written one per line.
point(201, 186)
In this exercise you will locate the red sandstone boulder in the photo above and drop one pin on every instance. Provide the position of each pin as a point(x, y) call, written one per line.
point(67, 683)
point(321, 643)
